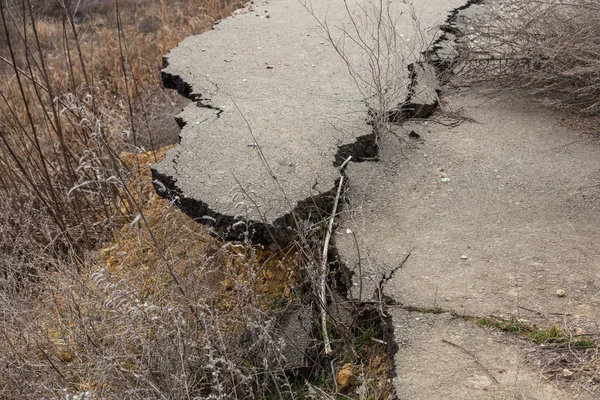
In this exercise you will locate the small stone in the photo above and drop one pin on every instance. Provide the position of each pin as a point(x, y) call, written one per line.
point(270, 67)
point(560, 293)
point(345, 376)
point(566, 373)
point(445, 180)
point(579, 331)
point(464, 257)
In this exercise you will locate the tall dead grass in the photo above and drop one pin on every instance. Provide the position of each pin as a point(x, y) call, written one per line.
point(160, 312)
point(125, 330)
point(74, 96)
point(549, 47)
point(147, 316)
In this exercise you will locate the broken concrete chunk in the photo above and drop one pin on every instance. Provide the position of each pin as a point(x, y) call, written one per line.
point(294, 329)
point(296, 119)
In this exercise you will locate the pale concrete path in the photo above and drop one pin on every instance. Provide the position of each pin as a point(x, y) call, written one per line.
point(436, 360)
point(274, 62)
point(497, 214)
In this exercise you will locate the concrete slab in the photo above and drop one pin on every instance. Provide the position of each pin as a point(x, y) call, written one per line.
point(275, 103)
point(497, 213)
point(440, 357)
point(298, 100)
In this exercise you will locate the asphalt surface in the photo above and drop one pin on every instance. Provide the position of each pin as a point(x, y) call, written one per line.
point(490, 217)
point(488, 208)
point(275, 102)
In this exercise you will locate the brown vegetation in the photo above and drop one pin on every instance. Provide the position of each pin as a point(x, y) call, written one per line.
point(75, 94)
point(549, 47)
point(107, 290)
point(144, 316)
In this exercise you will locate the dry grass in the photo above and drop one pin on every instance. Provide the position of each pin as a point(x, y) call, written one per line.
point(549, 47)
point(146, 315)
point(75, 93)
point(107, 290)
point(565, 353)
point(129, 326)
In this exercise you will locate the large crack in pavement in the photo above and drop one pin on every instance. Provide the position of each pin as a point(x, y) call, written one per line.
point(275, 116)
point(422, 98)
point(263, 144)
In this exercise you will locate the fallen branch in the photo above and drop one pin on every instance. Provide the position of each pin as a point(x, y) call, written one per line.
point(324, 269)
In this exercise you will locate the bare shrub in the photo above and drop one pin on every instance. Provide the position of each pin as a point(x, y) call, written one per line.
point(549, 47)
point(376, 52)
point(165, 311)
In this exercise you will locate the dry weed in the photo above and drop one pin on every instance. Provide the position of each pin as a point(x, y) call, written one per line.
point(548, 47)
point(128, 326)
point(75, 94)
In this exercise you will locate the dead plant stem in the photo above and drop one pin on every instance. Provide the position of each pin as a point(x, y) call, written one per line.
point(324, 269)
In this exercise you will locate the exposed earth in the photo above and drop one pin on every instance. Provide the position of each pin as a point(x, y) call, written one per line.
point(488, 208)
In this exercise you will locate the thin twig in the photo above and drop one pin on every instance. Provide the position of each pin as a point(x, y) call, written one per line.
point(487, 371)
point(534, 311)
point(324, 271)
point(360, 274)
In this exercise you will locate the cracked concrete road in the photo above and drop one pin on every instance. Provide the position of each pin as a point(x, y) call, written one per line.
point(274, 62)
point(497, 213)
point(298, 99)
